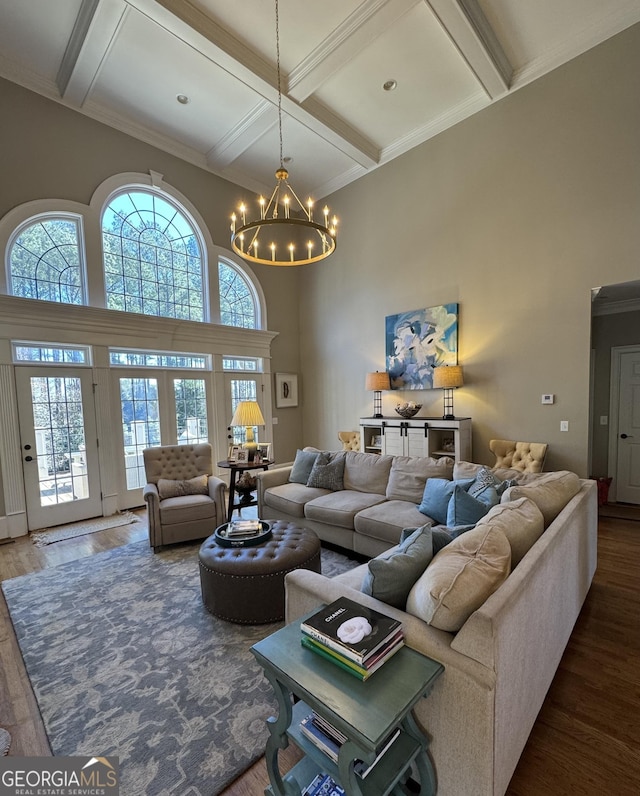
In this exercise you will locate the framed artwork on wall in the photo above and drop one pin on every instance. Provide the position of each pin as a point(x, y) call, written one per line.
point(418, 341)
point(286, 390)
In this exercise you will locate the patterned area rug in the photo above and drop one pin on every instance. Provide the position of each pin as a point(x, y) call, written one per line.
point(50, 535)
point(125, 660)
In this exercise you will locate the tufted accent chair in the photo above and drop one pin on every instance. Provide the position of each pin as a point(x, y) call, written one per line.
point(528, 457)
point(350, 440)
point(189, 516)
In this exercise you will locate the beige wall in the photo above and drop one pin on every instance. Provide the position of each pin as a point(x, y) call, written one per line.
point(516, 214)
point(49, 151)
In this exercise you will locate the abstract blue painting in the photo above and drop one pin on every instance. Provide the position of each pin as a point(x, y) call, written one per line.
point(417, 342)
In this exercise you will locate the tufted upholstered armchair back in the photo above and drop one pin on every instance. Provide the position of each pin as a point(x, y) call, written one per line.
point(528, 457)
point(177, 462)
point(177, 510)
point(350, 440)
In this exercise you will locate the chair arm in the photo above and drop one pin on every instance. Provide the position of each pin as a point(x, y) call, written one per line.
point(152, 499)
point(217, 493)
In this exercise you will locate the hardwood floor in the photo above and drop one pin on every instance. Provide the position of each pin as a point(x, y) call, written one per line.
point(585, 741)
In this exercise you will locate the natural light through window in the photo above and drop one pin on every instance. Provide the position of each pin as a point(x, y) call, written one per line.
point(152, 258)
point(237, 305)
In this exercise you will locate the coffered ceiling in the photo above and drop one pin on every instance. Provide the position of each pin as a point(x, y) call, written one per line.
point(127, 63)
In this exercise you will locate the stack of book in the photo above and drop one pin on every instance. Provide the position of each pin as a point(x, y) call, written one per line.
point(329, 739)
point(358, 639)
point(243, 528)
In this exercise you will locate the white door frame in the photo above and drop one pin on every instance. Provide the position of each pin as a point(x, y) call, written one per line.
point(614, 396)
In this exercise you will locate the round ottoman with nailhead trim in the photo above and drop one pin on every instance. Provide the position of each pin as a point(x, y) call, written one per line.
point(246, 584)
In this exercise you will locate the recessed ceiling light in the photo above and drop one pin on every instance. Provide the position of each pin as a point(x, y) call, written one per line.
point(183, 99)
point(390, 85)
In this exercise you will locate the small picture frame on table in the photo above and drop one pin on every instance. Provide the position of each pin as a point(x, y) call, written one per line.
point(242, 456)
point(232, 456)
point(264, 449)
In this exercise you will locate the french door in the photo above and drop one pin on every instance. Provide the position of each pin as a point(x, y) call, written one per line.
point(158, 408)
point(59, 445)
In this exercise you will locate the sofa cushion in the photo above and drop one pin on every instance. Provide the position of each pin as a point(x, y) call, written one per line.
point(386, 520)
point(522, 523)
point(409, 474)
point(436, 496)
point(460, 578)
point(188, 508)
point(340, 508)
point(463, 509)
point(168, 488)
point(550, 492)
point(366, 472)
point(327, 473)
point(302, 466)
point(391, 575)
point(291, 498)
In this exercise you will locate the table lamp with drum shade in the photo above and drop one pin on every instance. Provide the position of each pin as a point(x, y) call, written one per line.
point(248, 414)
point(447, 378)
point(376, 382)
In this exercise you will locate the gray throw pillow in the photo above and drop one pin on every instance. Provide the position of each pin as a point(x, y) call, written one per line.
point(391, 578)
point(327, 474)
point(302, 466)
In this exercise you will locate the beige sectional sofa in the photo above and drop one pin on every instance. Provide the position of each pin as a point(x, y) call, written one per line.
point(496, 607)
point(380, 497)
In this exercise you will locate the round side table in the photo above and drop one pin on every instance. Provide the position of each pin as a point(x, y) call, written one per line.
point(240, 467)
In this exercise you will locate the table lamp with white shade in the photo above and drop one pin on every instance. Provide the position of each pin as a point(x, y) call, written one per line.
point(248, 414)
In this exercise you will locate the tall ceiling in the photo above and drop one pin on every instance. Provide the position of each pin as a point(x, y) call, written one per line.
point(126, 62)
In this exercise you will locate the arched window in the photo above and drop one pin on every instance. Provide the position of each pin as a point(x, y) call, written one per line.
point(45, 260)
point(237, 300)
point(152, 257)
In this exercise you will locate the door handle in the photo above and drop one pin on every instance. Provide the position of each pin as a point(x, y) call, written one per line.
point(626, 436)
point(28, 458)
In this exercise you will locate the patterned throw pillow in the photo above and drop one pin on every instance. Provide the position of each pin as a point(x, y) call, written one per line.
point(192, 486)
point(327, 474)
point(485, 479)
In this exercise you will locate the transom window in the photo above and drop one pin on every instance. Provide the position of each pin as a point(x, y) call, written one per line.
point(152, 258)
point(237, 304)
point(45, 261)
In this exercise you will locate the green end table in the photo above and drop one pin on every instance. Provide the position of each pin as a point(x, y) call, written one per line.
point(366, 712)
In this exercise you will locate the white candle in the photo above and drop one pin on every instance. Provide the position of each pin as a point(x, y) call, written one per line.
point(233, 222)
point(273, 252)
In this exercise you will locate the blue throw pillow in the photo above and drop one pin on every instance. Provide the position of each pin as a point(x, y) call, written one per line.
point(391, 577)
point(302, 466)
point(463, 509)
point(436, 497)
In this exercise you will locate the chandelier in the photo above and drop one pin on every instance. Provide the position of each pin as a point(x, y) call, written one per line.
point(285, 232)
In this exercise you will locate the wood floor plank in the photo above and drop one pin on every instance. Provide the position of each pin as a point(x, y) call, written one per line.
point(586, 739)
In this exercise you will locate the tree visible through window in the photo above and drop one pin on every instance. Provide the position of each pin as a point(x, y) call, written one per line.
point(45, 261)
point(237, 305)
point(152, 258)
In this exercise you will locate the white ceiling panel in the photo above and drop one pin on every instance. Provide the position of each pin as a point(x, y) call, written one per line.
point(148, 67)
point(124, 61)
point(432, 80)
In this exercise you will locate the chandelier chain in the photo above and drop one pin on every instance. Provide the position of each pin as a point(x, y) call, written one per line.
point(279, 83)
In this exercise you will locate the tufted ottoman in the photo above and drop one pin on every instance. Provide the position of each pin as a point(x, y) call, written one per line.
point(246, 584)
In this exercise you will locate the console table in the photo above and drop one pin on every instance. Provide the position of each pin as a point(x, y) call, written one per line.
point(419, 436)
point(366, 712)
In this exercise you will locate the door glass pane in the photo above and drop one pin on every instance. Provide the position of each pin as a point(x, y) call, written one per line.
point(60, 439)
point(191, 411)
point(140, 425)
point(242, 390)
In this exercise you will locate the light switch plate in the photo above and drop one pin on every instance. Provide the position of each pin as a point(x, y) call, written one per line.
point(564, 425)
point(548, 398)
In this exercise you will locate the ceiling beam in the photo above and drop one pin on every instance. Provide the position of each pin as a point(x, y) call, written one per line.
point(95, 30)
point(470, 31)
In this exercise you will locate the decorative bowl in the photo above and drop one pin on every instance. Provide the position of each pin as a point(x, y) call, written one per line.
point(408, 411)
